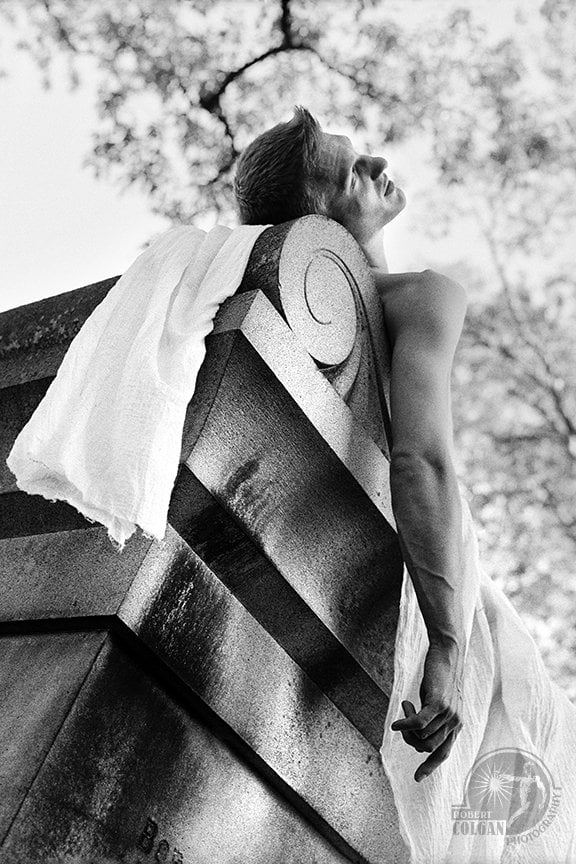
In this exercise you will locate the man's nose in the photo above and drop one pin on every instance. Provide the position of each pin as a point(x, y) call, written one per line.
point(374, 165)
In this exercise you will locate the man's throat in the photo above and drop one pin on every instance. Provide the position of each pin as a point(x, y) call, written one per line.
point(374, 251)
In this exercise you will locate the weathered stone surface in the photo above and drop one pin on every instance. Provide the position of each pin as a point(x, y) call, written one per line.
point(192, 622)
point(236, 560)
point(287, 727)
point(316, 276)
point(40, 676)
point(342, 555)
point(22, 515)
point(303, 479)
point(17, 404)
point(190, 800)
point(65, 575)
point(35, 337)
point(298, 375)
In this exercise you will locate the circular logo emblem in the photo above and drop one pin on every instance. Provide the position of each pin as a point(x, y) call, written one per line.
point(515, 785)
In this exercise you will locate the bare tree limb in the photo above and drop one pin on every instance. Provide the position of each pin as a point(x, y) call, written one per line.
point(63, 33)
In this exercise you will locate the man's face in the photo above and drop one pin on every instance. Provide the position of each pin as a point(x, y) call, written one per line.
point(358, 192)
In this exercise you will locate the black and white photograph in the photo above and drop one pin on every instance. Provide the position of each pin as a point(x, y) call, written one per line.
point(288, 432)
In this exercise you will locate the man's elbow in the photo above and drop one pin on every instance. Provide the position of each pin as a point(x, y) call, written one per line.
point(422, 483)
point(416, 466)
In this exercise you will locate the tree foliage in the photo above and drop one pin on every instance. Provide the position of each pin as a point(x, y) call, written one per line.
point(183, 86)
point(508, 161)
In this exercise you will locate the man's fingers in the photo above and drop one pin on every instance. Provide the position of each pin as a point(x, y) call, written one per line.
point(426, 730)
point(414, 738)
point(435, 759)
point(426, 722)
point(438, 756)
point(414, 741)
point(416, 721)
point(431, 742)
point(436, 723)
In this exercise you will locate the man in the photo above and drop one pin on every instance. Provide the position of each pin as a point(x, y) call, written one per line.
point(295, 169)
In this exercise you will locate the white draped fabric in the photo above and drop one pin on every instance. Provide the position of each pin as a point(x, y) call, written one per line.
point(107, 435)
point(511, 707)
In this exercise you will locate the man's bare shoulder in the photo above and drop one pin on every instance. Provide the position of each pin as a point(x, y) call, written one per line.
point(421, 302)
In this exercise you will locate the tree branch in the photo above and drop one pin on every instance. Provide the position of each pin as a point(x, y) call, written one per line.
point(286, 24)
point(522, 333)
point(552, 501)
point(63, 33)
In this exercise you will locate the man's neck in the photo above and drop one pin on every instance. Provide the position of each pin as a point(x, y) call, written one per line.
point(374, 251)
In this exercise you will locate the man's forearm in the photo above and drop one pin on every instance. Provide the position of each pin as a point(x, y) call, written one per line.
point(427, 508)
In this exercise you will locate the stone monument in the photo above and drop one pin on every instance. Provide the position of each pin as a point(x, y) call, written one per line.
point(219, 697)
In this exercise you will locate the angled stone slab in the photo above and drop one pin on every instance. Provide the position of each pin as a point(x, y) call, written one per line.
point(131, 773)
point(341, 556)
point(225, 661)
point(191, 800)
point(35, 337)
point(68, 574)
point(184, 614)
point(22, 514)
point(219, 540)
point(40, 677)
point(17, 404)
point(275, 445)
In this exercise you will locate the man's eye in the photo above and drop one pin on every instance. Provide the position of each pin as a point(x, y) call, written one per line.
point(352, 180)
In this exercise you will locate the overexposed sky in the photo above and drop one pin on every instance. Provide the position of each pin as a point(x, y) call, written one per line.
point(59, 227)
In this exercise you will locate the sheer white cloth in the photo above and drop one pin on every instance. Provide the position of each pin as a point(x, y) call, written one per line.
point(107, 435)
point(509, 702)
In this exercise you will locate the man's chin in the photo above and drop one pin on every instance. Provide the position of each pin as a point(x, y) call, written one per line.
point(401, 198)
point(395, 205)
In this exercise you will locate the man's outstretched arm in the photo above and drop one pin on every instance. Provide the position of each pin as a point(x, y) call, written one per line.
point(424, 314)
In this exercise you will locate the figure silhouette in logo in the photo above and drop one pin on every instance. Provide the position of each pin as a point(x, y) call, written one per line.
point(524, 782)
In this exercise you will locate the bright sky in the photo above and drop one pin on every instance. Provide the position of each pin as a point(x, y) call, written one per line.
point(59, 227)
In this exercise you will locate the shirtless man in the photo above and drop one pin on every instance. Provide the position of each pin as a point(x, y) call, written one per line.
point(295, 169)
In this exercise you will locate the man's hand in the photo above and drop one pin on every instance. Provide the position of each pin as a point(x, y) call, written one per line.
point(434, 728)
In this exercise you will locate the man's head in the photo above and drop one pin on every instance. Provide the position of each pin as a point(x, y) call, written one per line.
point(295, 169)
point(275, 176)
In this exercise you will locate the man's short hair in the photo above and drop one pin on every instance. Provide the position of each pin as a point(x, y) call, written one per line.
point(276, 176)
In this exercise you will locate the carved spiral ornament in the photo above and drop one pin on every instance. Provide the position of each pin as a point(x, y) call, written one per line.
point(316, 277)
point(317, 289)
